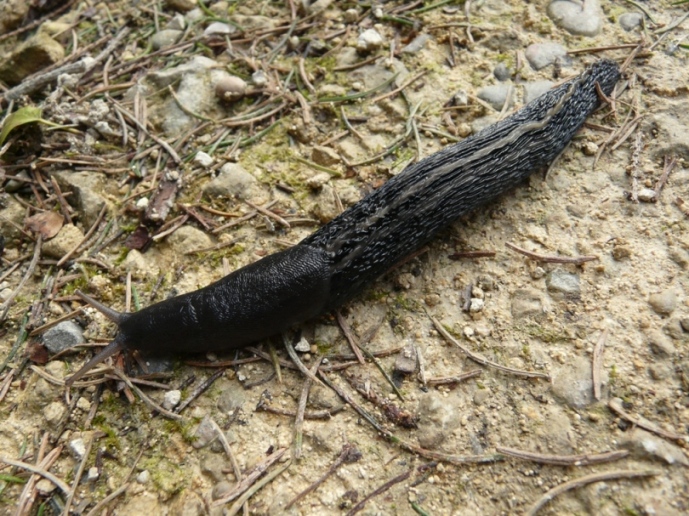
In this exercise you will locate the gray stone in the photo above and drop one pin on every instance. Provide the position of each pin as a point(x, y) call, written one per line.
point(232, 180)
point(78, 448)
point(188, 238)
point(164, 78)
point(437, 419)
point(63, 336)
point(630, 21)
point(67, 239)
point(540, 55)
point(144, 477)
point(11, 217)
point(53, 413)
point(405, 362)
point(664, 302)
point(31, 56)
point(165, 38)
point(660, 371)
point(647, 195)
point(501, 72)
point(417, 44)
point(254, 22)
point(326, 156)
point(203, 159)
point(205, 433)
point(139, 265)
point(497, 94)
point(563, 285)
point(171, 399)
point(231, 398)
point(573, 383)
point(213, 465)
point(684, 321)
point(230, 88)
point(368, 41)
point(533, 90)
point(580, 18)
point(675, 330)
point(86, 188)
point(526, 303)
point(660, 345)
point(221, 489)
point(14, 185)
point(219, 28)
point(646, 445)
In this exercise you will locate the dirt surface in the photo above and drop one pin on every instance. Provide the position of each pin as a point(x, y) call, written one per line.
point(305, 132)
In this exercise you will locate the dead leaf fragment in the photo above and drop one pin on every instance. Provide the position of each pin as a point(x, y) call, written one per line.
point(47, 223)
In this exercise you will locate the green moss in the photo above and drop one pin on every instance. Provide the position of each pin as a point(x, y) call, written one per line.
point(548, 335)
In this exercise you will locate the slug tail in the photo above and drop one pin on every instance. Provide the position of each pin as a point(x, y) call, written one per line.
point(108, 312)
point(112, 348)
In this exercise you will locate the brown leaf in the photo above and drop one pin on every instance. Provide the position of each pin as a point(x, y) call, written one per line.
point(37, 352)
point(47, 223)
point(139, 239)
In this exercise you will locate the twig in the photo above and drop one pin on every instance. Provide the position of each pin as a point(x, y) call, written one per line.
point(77, 477)
point(482, 360)
point(597, 363)
point(349, 454)
point(670, 163)
point(636, 167)
point(402, 87)
point(199, 390)
point(589, 479)
point(148, 401)
point(269, 213)
point(228, 451)
point(387, 485)
point(98, 508)
point(297, 362)
point(585, 459)
point(257, 487)
point(577, 260)
point(347, 330)
point(39, 471)
point(615, 405)
point(251, 477)
point(301, 408)
point(88, 234)
point(454, 379)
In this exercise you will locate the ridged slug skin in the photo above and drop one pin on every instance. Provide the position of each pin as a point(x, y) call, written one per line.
point(339, 260)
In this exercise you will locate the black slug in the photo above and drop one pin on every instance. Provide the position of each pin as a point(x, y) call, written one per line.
point(336, 262)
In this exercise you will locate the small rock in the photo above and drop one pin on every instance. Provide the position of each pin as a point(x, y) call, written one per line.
point(143, 477)
point(196, 65)
point(92, 474)
point(368, 41)
point(259, 78)
point(254, 22)
point(171, 399)
point(589, 148)
point(45, 487)
point(573, 383)
point(660, 371)
point(219, 28)
point(405, 362)
point(78, 448)
point(188, 238)
point(533, 90)
point(204, 434)
point(480, 396)
point(303, 346)
point(497, 94)
point(230, 88)
point(501, 72)
point(203, 159)
point(213, 465)
point(526, 303)
point(431, 438)
point(476, 305)
point(647, 445)
point(221, 489)
point(326, 156)
point(674, 329)
point(647, 195)
point(138, 265)
point(63, 336)
point(684, 322)
point(664, 302)
point(31, 56)
point(181, 5)
point(67, 239)
point(83, 404)
point(583, 19)
point(318, 181)
point(537, 273)
point(563, 285)
point(165, 38)
point(660, 345)
point(416, 44)
point(630, 21)
point(319, 5)
point(621, 252)
point(351, 15)
point(541, 55)
point(14, 185)
point(53, 413)
point(87, 189)
point(232, 180)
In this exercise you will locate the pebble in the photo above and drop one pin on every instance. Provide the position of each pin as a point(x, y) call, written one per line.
point(326, 156)
point(660, 371)
point(63, 336)
point(67, 239)
point(14, 185)
point(582, 19)
point(630, 21)
point(406, 361)
point(303, 346)
point(476, 305)
point(143, 477)
point(232, 180)
point(684, 321)
point(87, 190)
point(540, 55)
point(645, 444)
point(92, 474)
point(317, 181)
point(563, 285)
point(53, 413)
point(647, 195)
point(526, 303)
point(78, 448)
point(188, 238)
point(573, 383)
point(165, 38)
point(663, 303)
point(83, 404)
point(589, 148)
point(501, 72)
point(219, 28)
point(660, 344)
point(45, 487)
point(204, 434)
point(368, 41)
point(533, 90)
point(168, 77)
point(537, 273)
point(497, 94)
point(171, 399)
point(416, 44)
point(674, 329)
point(221, 489)
point(203, 159)
point(259, 78)
point(34, 54)
point(230, 88)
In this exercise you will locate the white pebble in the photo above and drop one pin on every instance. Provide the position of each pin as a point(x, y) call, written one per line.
point(203, 159)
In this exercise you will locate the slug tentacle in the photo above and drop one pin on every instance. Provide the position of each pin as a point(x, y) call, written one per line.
point(108, 312)
point(339, 260)
point(108, 351)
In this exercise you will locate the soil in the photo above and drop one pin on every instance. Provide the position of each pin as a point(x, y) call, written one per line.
point(631, 303)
